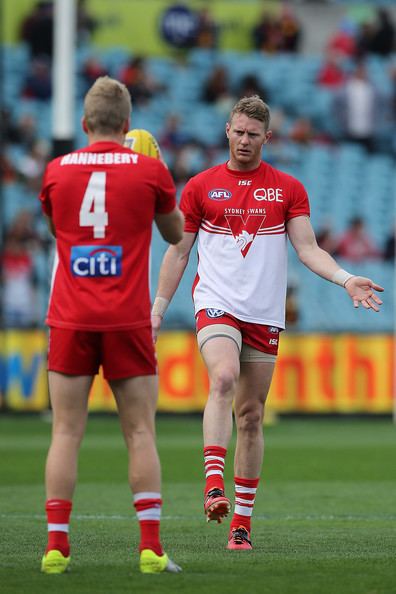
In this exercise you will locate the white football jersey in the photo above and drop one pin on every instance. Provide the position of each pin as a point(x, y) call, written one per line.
point(240, 218)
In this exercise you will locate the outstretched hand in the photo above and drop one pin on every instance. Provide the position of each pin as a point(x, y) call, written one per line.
point(362, 291)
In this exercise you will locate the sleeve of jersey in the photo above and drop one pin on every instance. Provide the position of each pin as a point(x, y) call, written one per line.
point(299, 202)
point(166, 194)
point(44, 195)
point(189, 205)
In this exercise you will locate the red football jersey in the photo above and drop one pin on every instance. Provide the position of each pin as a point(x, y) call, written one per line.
point(102, 200)
point(240, 218)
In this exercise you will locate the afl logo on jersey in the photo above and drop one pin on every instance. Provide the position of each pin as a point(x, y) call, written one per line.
point(219, 194)
point(214, 313)
point(96, 260)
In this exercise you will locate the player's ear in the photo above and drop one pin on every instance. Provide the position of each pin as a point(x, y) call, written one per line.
point(268, 136)
point(126, 127)
point(227, 129)
point(84, 125)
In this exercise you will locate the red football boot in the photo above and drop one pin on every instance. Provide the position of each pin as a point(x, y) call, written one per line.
point(216, 505)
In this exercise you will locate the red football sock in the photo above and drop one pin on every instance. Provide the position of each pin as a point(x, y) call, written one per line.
point(214, 459)
point(58, 515)
point(245, 494)
point(148, 510)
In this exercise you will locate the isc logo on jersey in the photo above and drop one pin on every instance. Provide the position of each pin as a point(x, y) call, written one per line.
point(96, 260)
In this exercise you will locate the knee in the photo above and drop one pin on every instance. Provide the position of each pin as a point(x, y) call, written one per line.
point(73, 431)
point(224, 382)
point(250, 420)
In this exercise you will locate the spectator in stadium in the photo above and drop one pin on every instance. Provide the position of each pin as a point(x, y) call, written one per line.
point(19, 295)
point(327, 239)
point(364, 36)
point(101, 212)
point(277, 33)
point(217, 89)
point(87, 24)
point(302, 131)
point(31, 165)
point(383, 34)
point(207, 30)
point(37, 30)
point(138, 81)
point(355, 244)
point(358, 108)
point(91, 70)
point(172, 136)
point(241, 212)
point(343, 41)
point(250, 85)
point(331, 74)
point(262, 33)
point(290, 28)
point(38, 83)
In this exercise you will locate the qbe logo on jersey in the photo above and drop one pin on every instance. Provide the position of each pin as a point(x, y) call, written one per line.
point(96, 260)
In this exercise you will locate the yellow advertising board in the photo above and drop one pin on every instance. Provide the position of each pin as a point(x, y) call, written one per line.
point(23, 377)
point(316, 373)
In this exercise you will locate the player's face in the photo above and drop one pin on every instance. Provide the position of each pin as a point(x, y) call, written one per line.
point(246, 137)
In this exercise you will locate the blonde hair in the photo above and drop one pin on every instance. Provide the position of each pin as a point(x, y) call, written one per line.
point(107, 106)
point(253, 107)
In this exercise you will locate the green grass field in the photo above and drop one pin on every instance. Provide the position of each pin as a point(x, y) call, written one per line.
point(325, 515)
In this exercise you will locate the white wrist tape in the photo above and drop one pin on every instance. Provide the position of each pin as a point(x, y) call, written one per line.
point(160, 306)
point(340, 277)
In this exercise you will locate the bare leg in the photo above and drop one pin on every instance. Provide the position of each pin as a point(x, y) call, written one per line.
point(69, 398)
point(221, 357)
point(136, 400)
point(254, 383)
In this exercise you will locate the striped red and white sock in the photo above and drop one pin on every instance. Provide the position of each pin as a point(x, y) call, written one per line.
point(245, 495)
point(214, 460)
point(58, 516)
point(148, 510)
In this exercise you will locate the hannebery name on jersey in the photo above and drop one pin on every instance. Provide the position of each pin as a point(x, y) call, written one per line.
point(100, 159)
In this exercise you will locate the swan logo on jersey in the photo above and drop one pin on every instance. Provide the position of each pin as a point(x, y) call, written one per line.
point(96, 260)
point(219, 194)
point(214, 313)
point(244, 231)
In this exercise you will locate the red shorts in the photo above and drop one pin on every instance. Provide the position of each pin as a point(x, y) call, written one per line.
point(121, 353)
point(258, 336)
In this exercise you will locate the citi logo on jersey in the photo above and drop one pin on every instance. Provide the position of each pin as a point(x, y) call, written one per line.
point(96, 260)
point(219, 194)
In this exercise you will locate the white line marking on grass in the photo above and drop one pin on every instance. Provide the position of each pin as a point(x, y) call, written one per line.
point(266, 518)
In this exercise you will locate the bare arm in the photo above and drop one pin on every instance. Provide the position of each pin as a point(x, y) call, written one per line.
point(172, 268)
point(170, 225)
point(360, 289)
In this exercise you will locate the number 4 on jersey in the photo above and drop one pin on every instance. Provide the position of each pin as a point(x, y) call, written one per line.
point(92, 212)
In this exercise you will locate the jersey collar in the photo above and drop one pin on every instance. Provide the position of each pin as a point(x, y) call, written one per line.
point(249, 173)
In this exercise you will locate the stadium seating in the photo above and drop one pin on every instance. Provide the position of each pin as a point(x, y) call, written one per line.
point(342, 180)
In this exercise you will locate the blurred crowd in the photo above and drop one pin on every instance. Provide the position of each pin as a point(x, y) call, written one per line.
point(357, 107)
